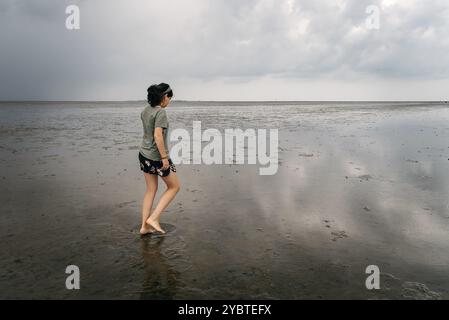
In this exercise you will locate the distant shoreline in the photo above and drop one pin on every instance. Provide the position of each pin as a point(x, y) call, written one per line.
point(229, 101)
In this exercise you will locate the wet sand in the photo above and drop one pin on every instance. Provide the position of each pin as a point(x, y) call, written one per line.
point(358, 184)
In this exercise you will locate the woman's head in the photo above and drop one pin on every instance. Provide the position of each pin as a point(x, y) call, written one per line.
point(159, 95)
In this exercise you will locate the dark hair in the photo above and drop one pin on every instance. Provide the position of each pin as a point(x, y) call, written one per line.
point(156, 92)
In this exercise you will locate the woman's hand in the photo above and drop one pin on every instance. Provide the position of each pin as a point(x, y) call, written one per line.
point(165, 164)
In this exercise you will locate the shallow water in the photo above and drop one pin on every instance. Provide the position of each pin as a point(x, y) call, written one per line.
point(358, 184)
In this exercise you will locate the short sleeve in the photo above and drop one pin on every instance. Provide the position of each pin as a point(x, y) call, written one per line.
point(161, 120)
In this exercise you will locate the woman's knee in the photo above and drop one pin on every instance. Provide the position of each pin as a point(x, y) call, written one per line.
point(175, 187)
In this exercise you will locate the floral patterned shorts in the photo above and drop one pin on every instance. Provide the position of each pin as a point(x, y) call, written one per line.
point(154, 166)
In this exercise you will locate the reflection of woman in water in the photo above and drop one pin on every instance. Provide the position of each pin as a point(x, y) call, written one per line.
point(154, 157)
point(160, 280)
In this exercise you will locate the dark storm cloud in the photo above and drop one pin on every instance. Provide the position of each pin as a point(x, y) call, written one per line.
point(123, 46)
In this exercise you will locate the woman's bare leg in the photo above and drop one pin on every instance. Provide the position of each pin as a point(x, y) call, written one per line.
point(173, 187)
point(150, 193)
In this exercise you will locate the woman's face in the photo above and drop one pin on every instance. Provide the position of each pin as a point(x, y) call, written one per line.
point(165, 101)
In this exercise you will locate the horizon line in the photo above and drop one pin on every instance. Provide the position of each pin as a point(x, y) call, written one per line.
point(181, 100)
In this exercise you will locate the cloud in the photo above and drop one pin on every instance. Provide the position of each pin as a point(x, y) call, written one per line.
point(123, 46)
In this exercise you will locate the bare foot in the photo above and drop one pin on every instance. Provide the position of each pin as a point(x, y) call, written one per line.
point(155, 224)
point(146, 229)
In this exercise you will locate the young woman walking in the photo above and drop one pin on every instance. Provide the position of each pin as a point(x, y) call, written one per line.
point(154, 157)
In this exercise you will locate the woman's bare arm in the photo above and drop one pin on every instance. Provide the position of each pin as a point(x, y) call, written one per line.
point(159, 138)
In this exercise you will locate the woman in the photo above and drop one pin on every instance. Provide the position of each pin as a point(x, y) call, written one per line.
point(154, 157)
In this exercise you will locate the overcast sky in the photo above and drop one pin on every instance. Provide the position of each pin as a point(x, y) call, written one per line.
point(225, 50)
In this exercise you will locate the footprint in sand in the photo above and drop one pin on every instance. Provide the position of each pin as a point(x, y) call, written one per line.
point(335, 234)
point(365, 177)
point(123, 204)
point(339, 235)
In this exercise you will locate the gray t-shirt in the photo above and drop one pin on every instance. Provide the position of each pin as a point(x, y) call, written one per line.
point(153, 117)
